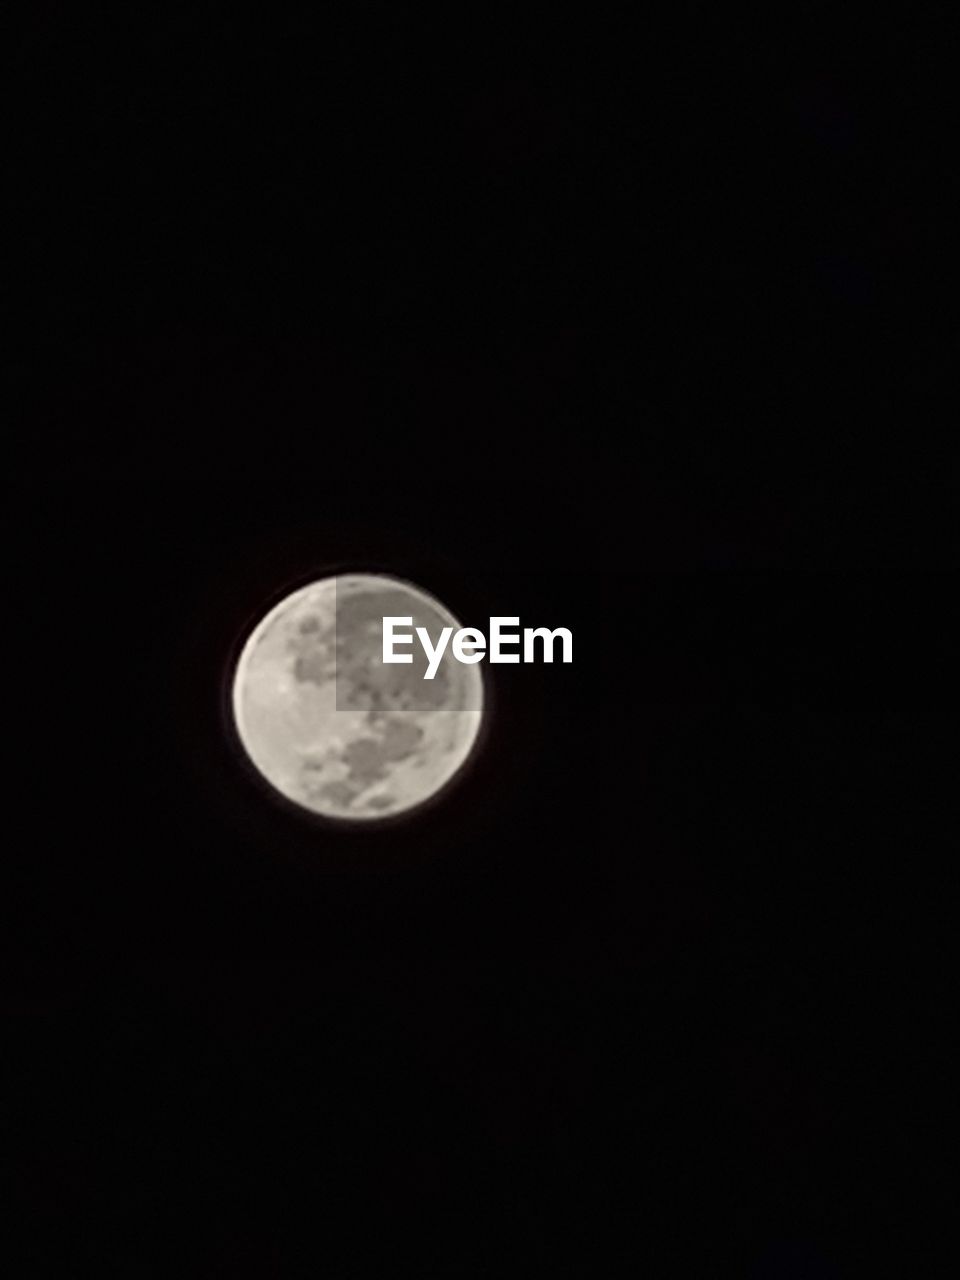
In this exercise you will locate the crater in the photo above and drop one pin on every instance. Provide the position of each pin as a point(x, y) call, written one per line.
point(381, 802)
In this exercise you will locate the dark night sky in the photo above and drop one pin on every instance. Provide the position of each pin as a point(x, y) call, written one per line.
point(644, 332)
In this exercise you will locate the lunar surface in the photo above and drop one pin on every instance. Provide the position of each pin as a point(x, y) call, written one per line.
point(333, 728)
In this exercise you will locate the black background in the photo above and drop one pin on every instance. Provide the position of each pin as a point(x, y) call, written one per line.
point(644, 331)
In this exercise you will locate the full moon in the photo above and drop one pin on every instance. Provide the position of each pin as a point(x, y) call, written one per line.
point(334, 729)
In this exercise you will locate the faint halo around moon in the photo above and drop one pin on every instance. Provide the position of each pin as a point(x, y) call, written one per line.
point(334, 729)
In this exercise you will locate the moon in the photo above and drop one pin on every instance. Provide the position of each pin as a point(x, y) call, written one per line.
point(331, 727)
